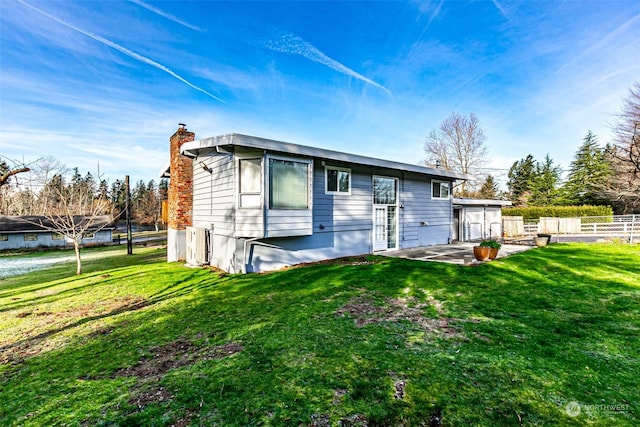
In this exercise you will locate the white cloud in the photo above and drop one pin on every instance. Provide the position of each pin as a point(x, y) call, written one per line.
point(292, 44)
point(122, 49)
point(166, 15)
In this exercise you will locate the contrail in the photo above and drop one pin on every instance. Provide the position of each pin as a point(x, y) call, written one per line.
point(500, 8)
point(292, 44)
point(123, 50)
point(166, 15)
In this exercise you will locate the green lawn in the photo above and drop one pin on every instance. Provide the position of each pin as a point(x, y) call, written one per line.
point(546, 337)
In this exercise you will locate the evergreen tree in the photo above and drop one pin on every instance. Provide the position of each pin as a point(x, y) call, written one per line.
point(521, 180)
point(588, 174)
point(489, 189)
point(544, 191)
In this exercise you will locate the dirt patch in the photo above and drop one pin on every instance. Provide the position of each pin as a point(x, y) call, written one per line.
point(349, 260)
point(176, 354)
point(162, 359)
point(364, 311)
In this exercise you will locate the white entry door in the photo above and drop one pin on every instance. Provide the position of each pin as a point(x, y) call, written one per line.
point(385, 209)
point(380, 229)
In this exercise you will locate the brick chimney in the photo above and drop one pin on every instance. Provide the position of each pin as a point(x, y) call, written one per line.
point(180, 195)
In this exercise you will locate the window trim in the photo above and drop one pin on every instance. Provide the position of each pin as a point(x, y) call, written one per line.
point(267, 181)
point(57, 236)
point(438, 181)
point(251, 193)
point(30, 237)
point(4, 237)
point(326, 180)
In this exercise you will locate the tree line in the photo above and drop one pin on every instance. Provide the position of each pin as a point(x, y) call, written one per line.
point(598, 175)
point(49, 188)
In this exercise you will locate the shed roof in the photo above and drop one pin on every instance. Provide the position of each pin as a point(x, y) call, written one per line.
point(227, 142)
point(39, 224)
point(480, 202)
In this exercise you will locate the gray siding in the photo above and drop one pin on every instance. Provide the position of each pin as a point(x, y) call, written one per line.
point(419, 208)
point(214, 194)
point(45, 239)
point(342, 212)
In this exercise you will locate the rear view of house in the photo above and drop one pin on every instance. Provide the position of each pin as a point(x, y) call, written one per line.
point(248, 204)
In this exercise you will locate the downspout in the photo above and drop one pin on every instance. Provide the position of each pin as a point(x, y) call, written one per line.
point(244, 253)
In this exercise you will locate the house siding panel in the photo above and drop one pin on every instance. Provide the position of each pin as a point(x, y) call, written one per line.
point(419, 208)
point(342, 212)
point(214, 194)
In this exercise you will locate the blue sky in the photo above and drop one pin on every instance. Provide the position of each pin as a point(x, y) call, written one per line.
point(108, 81)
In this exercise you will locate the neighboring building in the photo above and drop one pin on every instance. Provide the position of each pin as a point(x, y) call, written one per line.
point(18, 232)
point(247, 204)
point(477, 219)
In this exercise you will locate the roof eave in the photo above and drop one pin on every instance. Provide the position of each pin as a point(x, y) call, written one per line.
point(193, 148)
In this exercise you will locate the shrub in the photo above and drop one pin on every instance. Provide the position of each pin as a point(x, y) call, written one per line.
point(535, 212)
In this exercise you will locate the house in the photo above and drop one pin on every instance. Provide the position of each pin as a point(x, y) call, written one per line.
point(17, 232)
point(248, 204)
point(477, 219)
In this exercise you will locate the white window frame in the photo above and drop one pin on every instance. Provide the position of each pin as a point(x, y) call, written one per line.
point(261, 185)
point(89, 235)
point(437, 181)
point(4, 237)
point(57, 236)
point(309, 163)
point(326, 180)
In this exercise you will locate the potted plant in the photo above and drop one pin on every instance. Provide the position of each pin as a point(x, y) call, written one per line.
point(540, 241)
point(487, 249)
point(494, 247)
point(545, 236)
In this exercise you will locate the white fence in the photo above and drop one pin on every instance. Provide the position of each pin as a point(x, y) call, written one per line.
point(627, 226)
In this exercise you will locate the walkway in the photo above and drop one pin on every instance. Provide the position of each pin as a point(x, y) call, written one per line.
point(456, 253)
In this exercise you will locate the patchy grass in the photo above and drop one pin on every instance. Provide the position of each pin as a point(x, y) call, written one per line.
point(137, 341)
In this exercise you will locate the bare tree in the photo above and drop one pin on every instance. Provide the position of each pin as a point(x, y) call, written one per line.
point(69, 206)
point(624, 185)
point(458, 145)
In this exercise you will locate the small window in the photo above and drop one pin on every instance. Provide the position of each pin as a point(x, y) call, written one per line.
point(30, 237)
point(337, 180)
point(57, 236)
point(4, 237)
point(288, 184)
point(440, 189)
point(88, 235)
point(250, 183)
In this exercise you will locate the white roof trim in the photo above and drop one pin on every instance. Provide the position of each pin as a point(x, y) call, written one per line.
point(192, 149)
point(481, 202)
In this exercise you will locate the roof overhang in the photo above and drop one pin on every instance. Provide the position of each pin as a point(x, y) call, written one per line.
point(226, 143)
point(481, 202)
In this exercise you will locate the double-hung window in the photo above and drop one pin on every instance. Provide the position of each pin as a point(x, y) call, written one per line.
point(289, 184)
point(337, 180)
point(250, 183)
point(440, 189)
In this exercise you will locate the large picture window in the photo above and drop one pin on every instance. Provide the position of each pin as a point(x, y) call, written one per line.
point(250, 183)
point(337, 180)
point(288, 184)
point(440, 189)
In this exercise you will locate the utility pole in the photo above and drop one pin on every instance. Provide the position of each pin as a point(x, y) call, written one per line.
point(128, 215)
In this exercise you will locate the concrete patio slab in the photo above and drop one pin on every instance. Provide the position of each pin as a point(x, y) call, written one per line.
point(456, 253)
